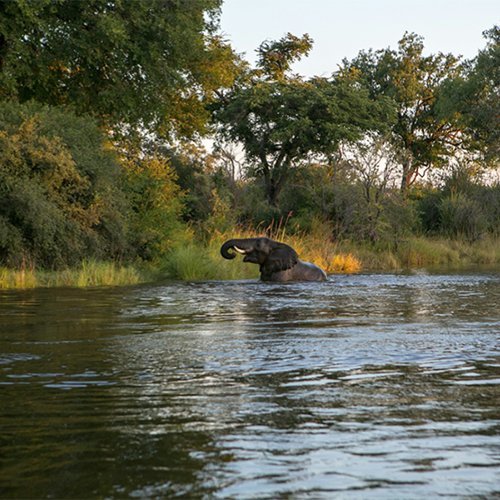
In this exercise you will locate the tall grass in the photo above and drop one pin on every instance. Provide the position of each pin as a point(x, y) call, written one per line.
point(353, 256)
point(17, 278)
point(90, 273)
point(198, 262)
point(201, 260)
point(418, 252)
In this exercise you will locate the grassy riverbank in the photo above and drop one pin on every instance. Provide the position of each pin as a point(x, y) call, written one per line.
point(90, 273)
point(202, 261)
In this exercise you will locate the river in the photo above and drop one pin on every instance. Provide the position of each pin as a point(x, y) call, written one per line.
point(366, 386)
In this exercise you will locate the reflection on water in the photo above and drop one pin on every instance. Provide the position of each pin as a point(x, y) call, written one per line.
point(365, 386)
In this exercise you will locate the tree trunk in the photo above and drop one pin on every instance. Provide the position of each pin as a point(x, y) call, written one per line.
point(271, 192)
point(407, 174)
point(273, 188)
point(275, 178)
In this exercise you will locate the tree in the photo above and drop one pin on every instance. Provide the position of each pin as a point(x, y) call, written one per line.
point(475, 96)
point(276, 57)
point(156, 203)
point(424, 137)
point(376, 207)
point(280, 121)
point(144, 65)
point(60, 199)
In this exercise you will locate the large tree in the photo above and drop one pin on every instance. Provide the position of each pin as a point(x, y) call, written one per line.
point(60, 194)
point(281, 119)
point(475, 95)
point(424, 136)
point(144, 65)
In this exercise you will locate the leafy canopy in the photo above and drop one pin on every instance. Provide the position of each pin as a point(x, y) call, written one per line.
point(142, 64)
point(277, 57)
point(280, 121)
point(475, 96)
point(413, 81)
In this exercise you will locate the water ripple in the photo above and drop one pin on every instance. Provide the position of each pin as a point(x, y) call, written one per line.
point(364, 386)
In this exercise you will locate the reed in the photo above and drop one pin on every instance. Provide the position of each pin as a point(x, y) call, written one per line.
point(90, 273)
point(418, 252)
point(201, 260)
point(94, 273)
point(198, 262)
point(17, 278)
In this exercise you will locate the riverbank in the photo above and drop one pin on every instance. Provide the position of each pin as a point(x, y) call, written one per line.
point(90, 273)
point(202, 261)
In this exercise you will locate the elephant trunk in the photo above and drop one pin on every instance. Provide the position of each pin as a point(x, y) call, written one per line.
point(240, 246)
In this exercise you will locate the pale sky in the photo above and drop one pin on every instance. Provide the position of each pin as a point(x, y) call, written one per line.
point(341, 28)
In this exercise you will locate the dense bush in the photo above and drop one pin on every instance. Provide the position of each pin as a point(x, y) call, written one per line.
point(356, 208)
point(156, 205)
point(465, 206)
point(66, 195)
point(60, 200)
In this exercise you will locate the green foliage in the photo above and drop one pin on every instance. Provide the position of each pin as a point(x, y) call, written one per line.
point(461, 215)
point(210, 196)
point(485, 112)
point(356, 196)
point(474, 95)
point(197, 176)
point(59, 200)
point(146, 64)
point(367, 213)
point(464, 207)
point(276, 57)
point(279, 124)
point(425, 137)
point(156, 204)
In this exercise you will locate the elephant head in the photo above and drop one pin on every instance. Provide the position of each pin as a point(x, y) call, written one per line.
point(272, 256)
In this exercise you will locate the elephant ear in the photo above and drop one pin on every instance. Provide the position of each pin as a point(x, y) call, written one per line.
point(282, 258)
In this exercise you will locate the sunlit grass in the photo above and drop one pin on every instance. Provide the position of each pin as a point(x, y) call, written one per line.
point(90, 273)
point(418, 252)
point(197, 262)
point(343, 263)
point(201, 260)
point(349, 256)
point(17, 278)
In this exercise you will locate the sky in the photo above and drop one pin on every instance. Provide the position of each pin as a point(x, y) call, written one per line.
point(342, 28)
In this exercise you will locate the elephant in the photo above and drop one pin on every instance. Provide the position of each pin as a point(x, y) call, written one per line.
point(278, 262)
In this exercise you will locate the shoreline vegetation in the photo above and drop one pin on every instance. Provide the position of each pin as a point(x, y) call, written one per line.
point(390, 163)
point(200, 261)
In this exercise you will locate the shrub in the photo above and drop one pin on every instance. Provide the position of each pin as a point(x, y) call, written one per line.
point(156, 204)
point(461, 215)
point(60, 200)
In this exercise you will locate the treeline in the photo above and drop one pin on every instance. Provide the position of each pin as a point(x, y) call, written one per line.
point(103, 106)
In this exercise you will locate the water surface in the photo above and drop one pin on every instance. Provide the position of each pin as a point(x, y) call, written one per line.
point(368, 386)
